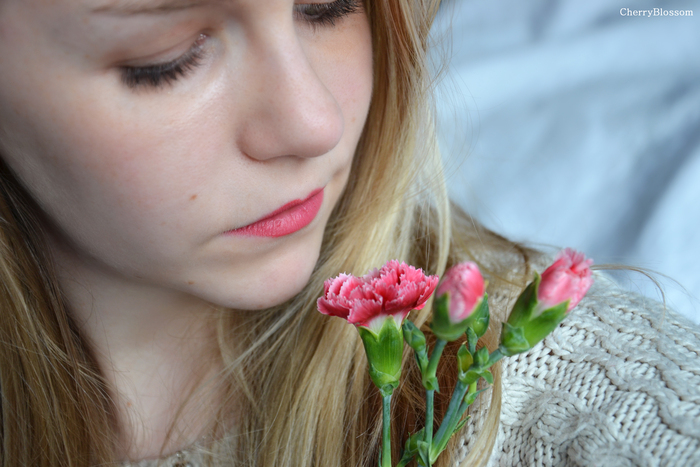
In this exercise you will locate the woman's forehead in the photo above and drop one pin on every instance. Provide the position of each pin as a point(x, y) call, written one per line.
point(137, 7)
point(128, 7)
point(87, 23)
point(149, 6)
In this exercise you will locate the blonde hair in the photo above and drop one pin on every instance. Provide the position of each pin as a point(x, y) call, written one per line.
point(297, 380)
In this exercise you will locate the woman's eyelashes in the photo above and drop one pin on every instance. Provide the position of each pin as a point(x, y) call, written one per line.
point(326, 14)
point(159, 74)
point(164, 73)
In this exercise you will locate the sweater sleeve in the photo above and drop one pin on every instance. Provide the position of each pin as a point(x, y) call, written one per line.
point(616, 384)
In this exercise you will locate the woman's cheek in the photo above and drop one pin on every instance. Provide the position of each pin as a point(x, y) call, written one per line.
point(344, 63)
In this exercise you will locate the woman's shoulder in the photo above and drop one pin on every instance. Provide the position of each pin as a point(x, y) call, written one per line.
point(617, 383)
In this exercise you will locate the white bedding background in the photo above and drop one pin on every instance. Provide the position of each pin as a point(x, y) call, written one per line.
point(581, 128)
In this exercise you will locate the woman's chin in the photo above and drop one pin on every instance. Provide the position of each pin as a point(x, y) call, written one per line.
point(268, 284)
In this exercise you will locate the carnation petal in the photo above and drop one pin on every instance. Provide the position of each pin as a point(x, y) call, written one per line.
point(331, 308)
point(364, 310)
point(351, 284)
point(568, 278)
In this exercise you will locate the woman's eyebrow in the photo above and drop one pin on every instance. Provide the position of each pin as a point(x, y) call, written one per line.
point(136, 7)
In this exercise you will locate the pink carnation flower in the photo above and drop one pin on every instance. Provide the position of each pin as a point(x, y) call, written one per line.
point(394, 290)
point(569, 278)
point(466, 287)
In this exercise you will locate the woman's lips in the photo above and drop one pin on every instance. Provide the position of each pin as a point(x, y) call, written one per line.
point(291, 217)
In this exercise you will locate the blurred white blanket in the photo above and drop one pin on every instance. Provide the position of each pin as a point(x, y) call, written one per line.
point(581, 128)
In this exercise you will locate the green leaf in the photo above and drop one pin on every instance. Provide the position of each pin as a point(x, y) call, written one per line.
point(470, 376)
point(470, 398)
point(424, 453)
point(460, 425)
point(412, 441)
point(513, 340)
point(465, 358)
point(411, 447)
point(522, 310)
point(487, 376)
point(480, 318)
point(482, 356)
point(436, 449)
point(472, 338)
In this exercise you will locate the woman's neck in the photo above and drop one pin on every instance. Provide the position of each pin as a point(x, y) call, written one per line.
point(157, 350)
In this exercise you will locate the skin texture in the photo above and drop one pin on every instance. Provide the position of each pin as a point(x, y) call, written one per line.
point(138, 185)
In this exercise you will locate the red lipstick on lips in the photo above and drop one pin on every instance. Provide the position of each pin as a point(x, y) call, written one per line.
point(291, 217)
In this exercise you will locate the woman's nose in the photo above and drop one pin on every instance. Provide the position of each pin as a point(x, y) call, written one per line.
point(290, 111)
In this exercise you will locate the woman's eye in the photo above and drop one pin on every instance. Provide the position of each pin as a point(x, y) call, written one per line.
point(159, 74)
point(326, 14)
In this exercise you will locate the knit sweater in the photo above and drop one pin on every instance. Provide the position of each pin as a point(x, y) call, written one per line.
point(616, 384)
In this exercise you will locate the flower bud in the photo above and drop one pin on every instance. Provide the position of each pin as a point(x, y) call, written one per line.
point(466, 286)
point(546, 301)
point(461, 303)
point(568, 278)
point(414, 337)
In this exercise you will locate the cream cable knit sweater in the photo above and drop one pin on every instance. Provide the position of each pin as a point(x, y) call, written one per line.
point(616, 384)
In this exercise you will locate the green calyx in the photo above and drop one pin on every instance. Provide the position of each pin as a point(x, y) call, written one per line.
point(444, 329)
point(513, 340)
point(526, 304)
point(473, 366)
point(545, 323)
point(527, 324)
point(384, 351)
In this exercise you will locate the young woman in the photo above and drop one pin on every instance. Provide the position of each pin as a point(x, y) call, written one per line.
point(178, 179)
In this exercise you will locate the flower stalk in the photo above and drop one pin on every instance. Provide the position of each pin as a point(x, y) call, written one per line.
point(386, 431)
point(430, 383)
point(429, 408)
point(445, 431)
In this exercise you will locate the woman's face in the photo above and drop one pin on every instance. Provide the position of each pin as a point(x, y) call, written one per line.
point(149, 130)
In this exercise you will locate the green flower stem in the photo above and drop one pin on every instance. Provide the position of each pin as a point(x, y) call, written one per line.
point(435, 357)
point(430, 393)
point(495, 356)
point(457, 408)
point(444, 433)
point(386, 431)
point(462, 408)
point(472, 389)
point(429, 397)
